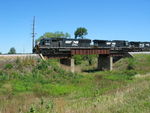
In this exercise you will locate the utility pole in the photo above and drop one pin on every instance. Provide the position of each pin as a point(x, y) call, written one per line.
point(33, 33)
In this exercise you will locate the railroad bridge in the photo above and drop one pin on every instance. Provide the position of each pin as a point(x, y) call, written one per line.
point(106, 56)
point(108, 51)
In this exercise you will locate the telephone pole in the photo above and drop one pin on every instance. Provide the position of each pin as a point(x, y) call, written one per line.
point(33, 33)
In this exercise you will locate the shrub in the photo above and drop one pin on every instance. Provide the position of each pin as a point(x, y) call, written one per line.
point(8, 66)
point(43, 65)
point(81, 58)
point(32, 109)
point(131, 64)
point(78, 59)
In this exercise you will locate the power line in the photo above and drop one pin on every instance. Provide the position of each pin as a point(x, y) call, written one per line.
point(33, 33)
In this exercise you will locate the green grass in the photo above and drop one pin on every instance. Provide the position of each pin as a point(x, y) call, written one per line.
point(139, 63)
point(46, 77)
point(43, 86)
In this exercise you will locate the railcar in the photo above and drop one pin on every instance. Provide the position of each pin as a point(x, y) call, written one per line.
point(51, 42)
point(64, 42)
point(48, 46)
point(137, 44)
point(111, 44)
point(102, 43)
point(79, 43)
point(146, 44)
point(120, 43)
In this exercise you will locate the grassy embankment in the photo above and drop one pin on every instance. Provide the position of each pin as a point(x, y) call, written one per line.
point(43, 86)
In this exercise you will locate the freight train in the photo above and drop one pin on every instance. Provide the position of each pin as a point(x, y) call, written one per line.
point(47, 46)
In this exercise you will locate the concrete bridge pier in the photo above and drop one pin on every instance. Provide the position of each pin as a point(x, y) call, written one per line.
point(68, 62)
point(105, 62)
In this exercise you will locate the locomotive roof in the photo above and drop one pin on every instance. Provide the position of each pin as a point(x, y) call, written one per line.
point(76, 39)
point(119, 40)
point(110, 40)
point(55, 38)
point(135, 42)
point(138, 42)
point(101, 40)
point(146, 42)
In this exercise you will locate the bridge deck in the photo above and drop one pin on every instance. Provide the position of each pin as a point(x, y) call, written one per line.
point(89, 51)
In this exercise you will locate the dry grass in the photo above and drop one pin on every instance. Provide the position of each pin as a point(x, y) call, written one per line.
point(68, 68)
point(17, 104)
point(133, 98)
point(140, 63)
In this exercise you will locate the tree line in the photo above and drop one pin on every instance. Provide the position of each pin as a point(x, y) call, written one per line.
point(80, 32)
point(12, 50)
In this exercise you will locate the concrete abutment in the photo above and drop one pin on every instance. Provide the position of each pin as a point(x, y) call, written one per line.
point(68, 62)
point(105, 62)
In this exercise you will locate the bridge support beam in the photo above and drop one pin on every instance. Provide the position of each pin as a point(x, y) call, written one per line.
point(105, 62)
point(68, 62)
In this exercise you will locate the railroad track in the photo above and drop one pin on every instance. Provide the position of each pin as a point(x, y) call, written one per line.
point(9, 58)
point(26, 55)
point(134, 53)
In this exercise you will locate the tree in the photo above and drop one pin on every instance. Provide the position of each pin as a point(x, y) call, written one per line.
point(80, 32)
point(56, 34)
point(12, 51)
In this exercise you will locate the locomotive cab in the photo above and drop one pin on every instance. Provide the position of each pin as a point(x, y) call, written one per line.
point(51, 42)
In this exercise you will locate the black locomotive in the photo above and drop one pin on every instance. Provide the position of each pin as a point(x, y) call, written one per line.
point(64, 42)
point(59, 46)
point(111, 44)
point(123, 45)
point(48, 46)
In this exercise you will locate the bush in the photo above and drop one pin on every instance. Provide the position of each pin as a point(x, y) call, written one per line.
point(131, 64)
point(82, 58)
point(78, 59)
point(43, 65)
point(8, 66)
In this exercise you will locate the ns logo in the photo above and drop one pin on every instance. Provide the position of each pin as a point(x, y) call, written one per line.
point(72, 43)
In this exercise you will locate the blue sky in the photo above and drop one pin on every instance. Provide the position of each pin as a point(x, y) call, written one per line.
point(104, 19)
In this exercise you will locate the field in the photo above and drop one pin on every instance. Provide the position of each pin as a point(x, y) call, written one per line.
point(36, 86)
